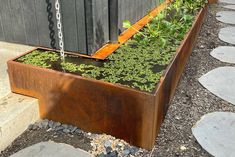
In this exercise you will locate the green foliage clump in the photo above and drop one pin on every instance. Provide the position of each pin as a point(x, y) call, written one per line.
point(70, 67)
point(155, 45)
point(141, 61)
point(40, 58)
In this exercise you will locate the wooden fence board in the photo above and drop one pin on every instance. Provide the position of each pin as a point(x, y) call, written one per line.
point(42, 23)
point(6, 20)
point(17, 21)
point(2, 36)
point(30, 25)
point(101, 23)
point(68, 11)
point(81, 26)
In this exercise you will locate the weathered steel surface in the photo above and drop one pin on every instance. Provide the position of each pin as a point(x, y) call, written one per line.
point(212, 1)
point(99, 106)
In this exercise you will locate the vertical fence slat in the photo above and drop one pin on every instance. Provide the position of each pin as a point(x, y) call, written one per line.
point(18, 21)
point(122, 14)
point(101, 23)
point(89, 25)
point(113, 20)
point(30, 25)
point(81, 26)
point(2, 36)
point(6, 20)
point(42, 23)
point(68, 11)
point(97, 25)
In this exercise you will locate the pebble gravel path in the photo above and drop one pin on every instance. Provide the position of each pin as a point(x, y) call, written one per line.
point(102, 145)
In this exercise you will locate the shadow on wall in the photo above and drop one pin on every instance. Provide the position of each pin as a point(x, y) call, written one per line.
point(51, 23)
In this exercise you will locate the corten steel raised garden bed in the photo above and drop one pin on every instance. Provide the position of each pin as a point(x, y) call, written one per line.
point(102, 107)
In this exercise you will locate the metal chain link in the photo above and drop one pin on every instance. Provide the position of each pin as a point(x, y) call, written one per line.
point(59, 27)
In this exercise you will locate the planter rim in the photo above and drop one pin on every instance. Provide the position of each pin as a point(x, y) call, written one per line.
point(158, 84)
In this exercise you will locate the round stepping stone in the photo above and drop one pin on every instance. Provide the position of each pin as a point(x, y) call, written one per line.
point(224, 54)
point(227, 34)
point(215, 132)
point(221, 82)
point(227, 1)
point(229, 7)
point(226, 17)
point(51, 149)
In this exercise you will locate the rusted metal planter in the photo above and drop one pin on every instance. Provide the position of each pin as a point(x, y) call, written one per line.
point(212, 1)
point(102, 107)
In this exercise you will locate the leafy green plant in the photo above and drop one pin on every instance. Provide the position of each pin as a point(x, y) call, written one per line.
point(127, 24)
point(71, 67)
point(40, 58)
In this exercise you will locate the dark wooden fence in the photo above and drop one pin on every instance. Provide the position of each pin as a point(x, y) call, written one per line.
point(87, 24)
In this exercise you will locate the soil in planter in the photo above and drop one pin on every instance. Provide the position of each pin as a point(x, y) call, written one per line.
point(141, 61)
point(76, 65)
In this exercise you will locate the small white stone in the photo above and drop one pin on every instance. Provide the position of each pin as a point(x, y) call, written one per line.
point(178, 118)
point(89, 134)
point(183, 148)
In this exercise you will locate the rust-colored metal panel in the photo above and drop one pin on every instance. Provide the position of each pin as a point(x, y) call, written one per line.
point(92, 105)
point(213, 1)
point(102, 107)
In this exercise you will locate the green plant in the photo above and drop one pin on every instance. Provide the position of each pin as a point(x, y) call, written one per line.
point(71, 67)
point(40, 58)
point(127, 24)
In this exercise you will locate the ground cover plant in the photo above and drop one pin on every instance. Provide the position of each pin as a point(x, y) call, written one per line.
point(140, 62)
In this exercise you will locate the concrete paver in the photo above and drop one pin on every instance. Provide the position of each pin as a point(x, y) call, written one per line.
point(224, 54)
point(51, 149)
point(215, 132)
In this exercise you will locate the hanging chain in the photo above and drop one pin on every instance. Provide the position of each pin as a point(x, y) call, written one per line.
point(59, 27)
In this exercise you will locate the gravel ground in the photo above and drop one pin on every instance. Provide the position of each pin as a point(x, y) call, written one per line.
point(190, 103)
